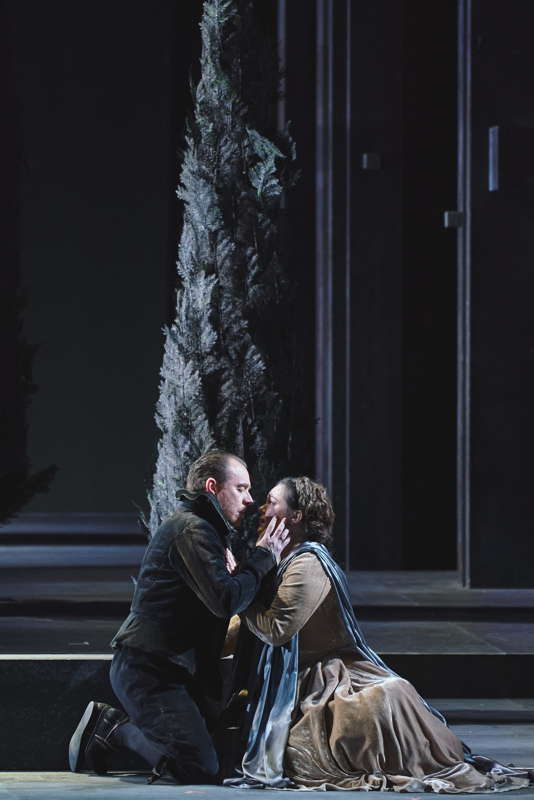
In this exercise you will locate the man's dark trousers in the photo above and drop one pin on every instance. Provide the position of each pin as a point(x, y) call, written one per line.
point(161, 700)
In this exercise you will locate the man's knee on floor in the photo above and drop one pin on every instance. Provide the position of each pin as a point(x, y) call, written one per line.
point(187, 771)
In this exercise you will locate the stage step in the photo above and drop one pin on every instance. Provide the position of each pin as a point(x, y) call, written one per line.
point(43, 697)
point(56, 622)
point(99, 580)
point(44, 691)
point(77, 634)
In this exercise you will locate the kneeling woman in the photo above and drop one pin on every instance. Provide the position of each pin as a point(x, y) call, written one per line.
point(325, 712)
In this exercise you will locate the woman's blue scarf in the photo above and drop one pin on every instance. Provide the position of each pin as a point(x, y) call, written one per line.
point(276, 678)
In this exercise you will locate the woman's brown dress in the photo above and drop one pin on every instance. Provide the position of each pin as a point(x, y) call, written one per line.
point(355, 726)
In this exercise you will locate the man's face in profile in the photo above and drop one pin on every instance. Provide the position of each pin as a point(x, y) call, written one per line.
point(233, 493)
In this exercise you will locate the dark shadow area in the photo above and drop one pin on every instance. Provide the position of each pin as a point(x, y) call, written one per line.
point(95, 117)
point(429, 286)
point(17, 482)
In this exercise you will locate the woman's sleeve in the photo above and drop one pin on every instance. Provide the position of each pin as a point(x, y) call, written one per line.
point(303, 588)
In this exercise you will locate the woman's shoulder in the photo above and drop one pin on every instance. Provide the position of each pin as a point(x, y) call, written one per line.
point(306, 562)
point(307, 580)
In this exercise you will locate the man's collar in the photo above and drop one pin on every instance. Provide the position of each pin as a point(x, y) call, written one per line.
point(206, 505)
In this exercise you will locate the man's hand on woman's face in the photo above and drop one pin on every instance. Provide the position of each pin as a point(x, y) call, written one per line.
point(275, 538)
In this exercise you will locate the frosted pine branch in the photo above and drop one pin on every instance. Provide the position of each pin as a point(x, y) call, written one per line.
point(222, 356)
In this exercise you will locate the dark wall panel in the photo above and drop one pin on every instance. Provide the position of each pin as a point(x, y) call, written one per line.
point(299, 110)
point(502, 319)
point(376, 287)
point(429, 175)
point(102, 91)
point(386, 171)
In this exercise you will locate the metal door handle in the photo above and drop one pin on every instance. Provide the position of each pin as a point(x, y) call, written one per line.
point(493, 158)
point(453, 219)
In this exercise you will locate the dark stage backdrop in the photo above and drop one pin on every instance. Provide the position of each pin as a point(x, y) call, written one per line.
point(101, 91)
point(385, 172)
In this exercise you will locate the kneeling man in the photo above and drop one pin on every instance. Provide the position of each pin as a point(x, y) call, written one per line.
point(165, 669)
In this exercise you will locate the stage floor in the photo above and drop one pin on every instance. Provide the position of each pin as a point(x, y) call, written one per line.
point(506, 741)
point(419, 589)
point(52, 785)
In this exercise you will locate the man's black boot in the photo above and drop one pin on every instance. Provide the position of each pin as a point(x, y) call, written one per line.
point(91, 743)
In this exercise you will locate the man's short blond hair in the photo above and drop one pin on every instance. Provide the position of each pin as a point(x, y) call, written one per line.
point(211, 464)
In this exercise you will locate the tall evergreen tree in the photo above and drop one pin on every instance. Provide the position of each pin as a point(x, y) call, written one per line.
point(226, 364)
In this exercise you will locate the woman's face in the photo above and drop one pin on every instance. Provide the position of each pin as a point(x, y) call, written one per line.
point(276, 504)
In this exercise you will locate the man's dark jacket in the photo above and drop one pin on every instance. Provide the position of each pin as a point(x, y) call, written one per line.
point(185, 596)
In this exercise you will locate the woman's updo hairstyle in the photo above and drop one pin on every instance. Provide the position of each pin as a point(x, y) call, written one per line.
point(310, 497)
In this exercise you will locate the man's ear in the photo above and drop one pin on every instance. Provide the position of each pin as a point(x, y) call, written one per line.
point(211, 486)
point(296, 517)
